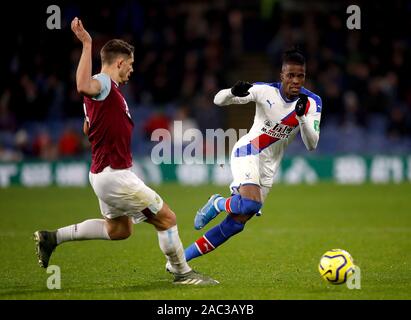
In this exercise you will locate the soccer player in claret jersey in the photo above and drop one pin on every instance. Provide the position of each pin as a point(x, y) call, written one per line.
point(124, 199)
point(282, 110)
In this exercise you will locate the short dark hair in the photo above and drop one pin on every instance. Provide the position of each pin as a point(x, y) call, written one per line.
point(114, 48)
point(293, 56)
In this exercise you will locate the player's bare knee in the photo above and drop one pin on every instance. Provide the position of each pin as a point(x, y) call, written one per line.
point(120, 233)
point(162, 220)
point(119, 229)
point(115, 236)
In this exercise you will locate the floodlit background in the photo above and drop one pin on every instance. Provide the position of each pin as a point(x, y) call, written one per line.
point(188, 50)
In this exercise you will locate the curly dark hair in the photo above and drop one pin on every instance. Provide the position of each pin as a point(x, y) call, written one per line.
point(293, 56)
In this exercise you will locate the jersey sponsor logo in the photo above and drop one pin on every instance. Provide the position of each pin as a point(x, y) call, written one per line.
point(265, 139)
point(279, 131)
point(270, 103)
point(268, 123)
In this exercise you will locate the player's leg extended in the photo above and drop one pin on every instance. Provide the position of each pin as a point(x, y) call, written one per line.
point(115, 226)
point(240, 208)
point(165, 223)
point(93, 229)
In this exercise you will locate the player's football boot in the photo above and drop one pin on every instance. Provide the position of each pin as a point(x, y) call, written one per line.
point(194, 278)
point(206, 213)
point(46, 242)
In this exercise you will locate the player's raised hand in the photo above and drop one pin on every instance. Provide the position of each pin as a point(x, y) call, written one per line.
point(79, 31)
point(301, 105)
point(240, 89)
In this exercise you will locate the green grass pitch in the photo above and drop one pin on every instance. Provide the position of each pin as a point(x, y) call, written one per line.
point(276, 257)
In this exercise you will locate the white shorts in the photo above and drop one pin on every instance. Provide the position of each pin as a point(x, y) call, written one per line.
point(251, 169)
point(122, 193)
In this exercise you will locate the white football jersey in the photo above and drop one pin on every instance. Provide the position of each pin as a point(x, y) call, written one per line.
point(275, 122)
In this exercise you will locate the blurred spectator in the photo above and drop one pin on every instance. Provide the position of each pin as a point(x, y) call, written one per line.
point(69, 143)
point(181, 123)
point(191, 49)
point(43, 146)
point(22, 143)
point(207, 115)
point(398, 126)
point(7, 118)
point(9, 154)
point(353, 113)
point(156, 121)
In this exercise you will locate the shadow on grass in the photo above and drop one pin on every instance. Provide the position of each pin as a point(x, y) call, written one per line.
point(112, 291)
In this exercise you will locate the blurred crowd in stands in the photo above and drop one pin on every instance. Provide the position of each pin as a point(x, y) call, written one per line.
point(187, 50)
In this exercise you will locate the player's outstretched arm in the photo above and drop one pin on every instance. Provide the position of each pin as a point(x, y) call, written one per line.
point(309, 121)
point(85, 84)
point(238, 94)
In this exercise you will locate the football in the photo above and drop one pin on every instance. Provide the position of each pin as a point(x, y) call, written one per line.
point(336, 266)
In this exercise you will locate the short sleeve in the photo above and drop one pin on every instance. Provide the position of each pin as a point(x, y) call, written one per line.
point(105, 82)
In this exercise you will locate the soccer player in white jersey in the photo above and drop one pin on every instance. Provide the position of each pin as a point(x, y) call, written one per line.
point(282, 110)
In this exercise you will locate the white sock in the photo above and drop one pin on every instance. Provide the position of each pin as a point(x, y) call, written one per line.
point(87, 230)
point(172, 248)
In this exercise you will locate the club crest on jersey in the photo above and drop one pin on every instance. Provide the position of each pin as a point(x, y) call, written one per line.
point(278, 131)
point(268, 123)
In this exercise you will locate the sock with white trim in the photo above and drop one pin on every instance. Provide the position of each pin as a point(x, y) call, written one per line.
point(87, 230)
point(172, 248)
